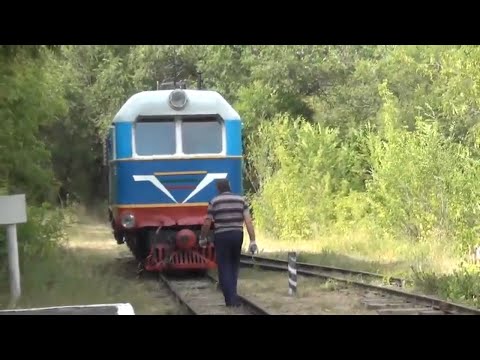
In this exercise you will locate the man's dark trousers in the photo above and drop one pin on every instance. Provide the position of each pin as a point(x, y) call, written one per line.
point(228, 247)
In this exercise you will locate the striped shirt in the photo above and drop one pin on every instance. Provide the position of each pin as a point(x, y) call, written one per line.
point(227, 211)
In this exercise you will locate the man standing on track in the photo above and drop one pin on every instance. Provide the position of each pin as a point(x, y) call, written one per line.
point(228, 212)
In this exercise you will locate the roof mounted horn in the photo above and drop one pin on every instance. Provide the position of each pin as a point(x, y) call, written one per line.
point(172, 85)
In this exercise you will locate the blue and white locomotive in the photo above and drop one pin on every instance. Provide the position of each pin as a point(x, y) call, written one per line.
point(165, 150)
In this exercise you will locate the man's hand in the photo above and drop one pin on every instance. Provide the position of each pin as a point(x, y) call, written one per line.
point(253, 248)
point(202, 239)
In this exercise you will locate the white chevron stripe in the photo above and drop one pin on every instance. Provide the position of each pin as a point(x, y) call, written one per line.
point(293, 283)
point(292, 270)
point(154, 181)
point(206, 180)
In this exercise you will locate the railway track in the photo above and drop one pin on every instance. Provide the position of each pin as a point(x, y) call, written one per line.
point(261, 261)
point(384, 300)
point(200, 295)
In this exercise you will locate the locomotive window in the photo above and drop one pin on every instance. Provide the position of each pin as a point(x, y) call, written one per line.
point(155, 137)
point(202, 136)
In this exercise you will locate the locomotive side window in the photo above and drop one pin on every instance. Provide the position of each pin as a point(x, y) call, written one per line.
point(202, 135)
point(155, 137)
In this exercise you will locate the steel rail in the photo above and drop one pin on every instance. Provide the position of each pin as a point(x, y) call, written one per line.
point(179, 297)
point(258, 310)
point(247, 304)
point(317, 267)
point(438, 304)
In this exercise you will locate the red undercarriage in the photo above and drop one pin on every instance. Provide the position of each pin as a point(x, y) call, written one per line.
point(186, 254)
point(162, 258)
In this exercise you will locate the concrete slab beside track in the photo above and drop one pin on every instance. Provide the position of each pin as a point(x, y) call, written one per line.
point(97, 309)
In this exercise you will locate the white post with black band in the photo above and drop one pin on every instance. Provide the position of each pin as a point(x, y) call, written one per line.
point(292, 273)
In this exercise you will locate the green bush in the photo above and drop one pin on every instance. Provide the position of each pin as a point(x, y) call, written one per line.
point(43, 232)
point(417, 184)
point(423, 183)
point(30, 101)
point(304, 168)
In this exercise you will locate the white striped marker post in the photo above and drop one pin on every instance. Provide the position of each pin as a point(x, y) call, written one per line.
point(292, 273)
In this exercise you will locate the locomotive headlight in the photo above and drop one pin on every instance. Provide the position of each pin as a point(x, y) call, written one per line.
point(177, 99)
point(128, 220)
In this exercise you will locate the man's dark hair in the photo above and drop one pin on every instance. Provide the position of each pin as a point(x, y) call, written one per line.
point(223, 185)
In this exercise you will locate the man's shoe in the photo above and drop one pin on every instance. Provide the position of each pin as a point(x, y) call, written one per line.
point(237, 304)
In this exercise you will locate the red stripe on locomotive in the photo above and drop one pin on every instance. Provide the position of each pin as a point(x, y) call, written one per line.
point(164, 216)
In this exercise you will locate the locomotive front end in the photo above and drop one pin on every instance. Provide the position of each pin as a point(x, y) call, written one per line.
point(168, 149)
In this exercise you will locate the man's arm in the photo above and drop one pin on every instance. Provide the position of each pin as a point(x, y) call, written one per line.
point(205, 227)
point(248, 222)
point(251, 232)
point(207, 223)
point(249, 225)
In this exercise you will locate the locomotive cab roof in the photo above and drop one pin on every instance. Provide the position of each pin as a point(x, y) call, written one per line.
point(175, 102)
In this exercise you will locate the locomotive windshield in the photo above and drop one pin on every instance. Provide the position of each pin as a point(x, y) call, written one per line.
point(155, 137)
point(197, 135)
point(201, 135)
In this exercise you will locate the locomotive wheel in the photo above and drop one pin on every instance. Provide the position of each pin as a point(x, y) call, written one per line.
point(201, 273)
point(118, 235)
point(138, 245)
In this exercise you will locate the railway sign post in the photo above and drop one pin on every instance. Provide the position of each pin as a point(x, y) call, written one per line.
point(292, 273)
point(13, 211)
